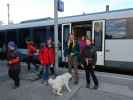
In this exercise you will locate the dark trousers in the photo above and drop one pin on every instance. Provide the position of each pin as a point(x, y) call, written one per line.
point(14, 74)
point(89, 71)
point(52, 70)
point(30, 61)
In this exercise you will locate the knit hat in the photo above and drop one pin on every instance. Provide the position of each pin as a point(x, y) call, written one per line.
point(11, 45)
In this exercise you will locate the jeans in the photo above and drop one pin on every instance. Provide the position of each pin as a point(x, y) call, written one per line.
point(30, 61)
point(46, 72)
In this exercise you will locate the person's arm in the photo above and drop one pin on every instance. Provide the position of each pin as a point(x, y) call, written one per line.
point(77, 49)
point(40, 56)
point(33, 49)
point(14, 61)
point(82, 56)
point(94, 57)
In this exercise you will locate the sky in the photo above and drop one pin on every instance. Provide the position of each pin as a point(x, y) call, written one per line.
point(21, 10)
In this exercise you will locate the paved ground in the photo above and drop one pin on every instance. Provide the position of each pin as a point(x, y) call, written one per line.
point(112, 87)
point(109, 89)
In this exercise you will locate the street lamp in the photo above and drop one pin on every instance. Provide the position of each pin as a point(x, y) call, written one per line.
point(8, 12)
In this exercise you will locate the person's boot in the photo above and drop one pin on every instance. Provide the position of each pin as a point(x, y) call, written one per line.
point(87, 85)
point(15, 87)
point(46, 83)
point(95, 87)
point(29, 69)
point(76, 82)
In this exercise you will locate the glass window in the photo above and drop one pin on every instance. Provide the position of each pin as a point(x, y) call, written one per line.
point(39, 36)
point(130, 28)
point(11, 36)
point(66, 33)
point(23, 35)
point(59, 33)
point(50, 32)
point(116, 29)
point(98, 30)
point(2, 39)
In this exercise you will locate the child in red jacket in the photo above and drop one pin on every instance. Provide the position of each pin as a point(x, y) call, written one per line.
point(44, 60)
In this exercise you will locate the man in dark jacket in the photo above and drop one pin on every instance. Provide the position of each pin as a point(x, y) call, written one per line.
point(89, 61)
point(13, 63)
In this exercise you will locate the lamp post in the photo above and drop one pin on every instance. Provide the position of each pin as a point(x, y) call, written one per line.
point(8, 12)
point(56, 32)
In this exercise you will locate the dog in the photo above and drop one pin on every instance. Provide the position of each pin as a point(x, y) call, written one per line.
point(59, 82)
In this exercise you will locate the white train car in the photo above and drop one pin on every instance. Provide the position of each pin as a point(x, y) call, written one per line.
point(112, 32)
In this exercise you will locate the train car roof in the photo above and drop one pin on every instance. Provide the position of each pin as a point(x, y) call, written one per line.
point(114, 14)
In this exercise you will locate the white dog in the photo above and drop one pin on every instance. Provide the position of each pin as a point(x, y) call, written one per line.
point(59, 82)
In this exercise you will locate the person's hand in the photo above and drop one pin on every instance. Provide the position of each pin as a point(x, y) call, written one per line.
point(71, 54)
point(9, 62)
point(82, 65)
point(93, 67)
point(37, 51)
point(86, 60)
point(66, 59)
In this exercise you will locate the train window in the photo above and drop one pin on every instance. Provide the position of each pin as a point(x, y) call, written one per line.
point(11, 35)
point(59, 33)
point(130, 28)
point(2, 39)
point(50, 32)
point(23, 35)
point(66, 32)
point(116, 29)
point(39, 36)
point(98, 29)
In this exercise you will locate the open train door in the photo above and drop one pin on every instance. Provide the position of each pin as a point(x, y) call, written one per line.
point(98, 35)
point(66, 30)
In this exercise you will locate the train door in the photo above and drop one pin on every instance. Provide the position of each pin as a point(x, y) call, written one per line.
point(66, 29)
point(98, 35)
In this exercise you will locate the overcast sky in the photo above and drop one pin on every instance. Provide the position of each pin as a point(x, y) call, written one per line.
point(32, 9)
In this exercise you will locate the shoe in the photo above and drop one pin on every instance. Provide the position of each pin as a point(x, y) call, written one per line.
point(75, 82)
point(87, 86)
point(15, 87)
point(46, 83)
point(95, 87)
point(42, 81)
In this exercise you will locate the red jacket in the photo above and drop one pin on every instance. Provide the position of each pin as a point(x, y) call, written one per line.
point(47, 56)
point(51, 55)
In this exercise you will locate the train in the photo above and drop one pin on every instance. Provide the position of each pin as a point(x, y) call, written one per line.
point(112, 32)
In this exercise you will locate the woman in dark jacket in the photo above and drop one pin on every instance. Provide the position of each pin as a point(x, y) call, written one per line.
point(44, 60)
point(89, 61)
point(73, 52)
point(13, 63)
